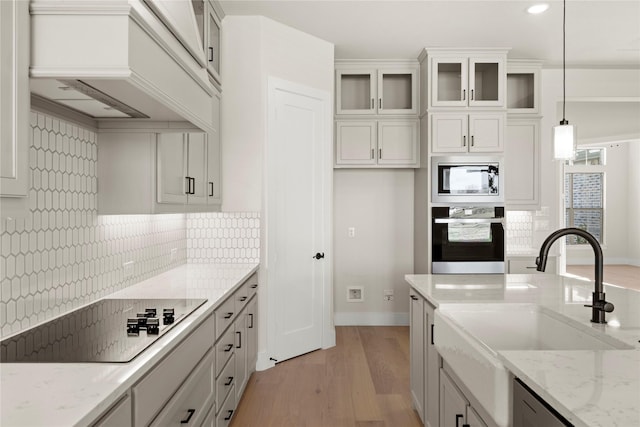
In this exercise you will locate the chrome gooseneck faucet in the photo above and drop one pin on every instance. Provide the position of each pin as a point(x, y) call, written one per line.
point(598, 306)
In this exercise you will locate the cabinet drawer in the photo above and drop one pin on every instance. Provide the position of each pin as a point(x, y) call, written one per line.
point(241, 297)
point(224, 349)
point(224, 315)
point(156, 388)
point(193, 399)
point(118, 416)
point(253, 285)
point(227, 410)
point(225, 382)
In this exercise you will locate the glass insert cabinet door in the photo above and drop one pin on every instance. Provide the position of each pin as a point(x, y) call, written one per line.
point(467, 82)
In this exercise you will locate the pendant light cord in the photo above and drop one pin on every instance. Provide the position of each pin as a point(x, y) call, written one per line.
point(564, 78)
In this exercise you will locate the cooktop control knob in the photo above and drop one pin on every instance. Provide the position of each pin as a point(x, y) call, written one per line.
point(168, 316)
point(153, 326)
point(133, 330)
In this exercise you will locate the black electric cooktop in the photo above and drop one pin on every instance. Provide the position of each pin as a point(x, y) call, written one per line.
point(109, 330)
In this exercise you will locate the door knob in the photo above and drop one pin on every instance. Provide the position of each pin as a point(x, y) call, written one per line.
point(318, 255)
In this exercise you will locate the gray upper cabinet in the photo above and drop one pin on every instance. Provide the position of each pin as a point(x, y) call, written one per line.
point(14, 98)
point(213, 19)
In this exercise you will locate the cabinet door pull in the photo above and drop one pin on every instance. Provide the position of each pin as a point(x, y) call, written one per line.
point(210, 189)
point(210, 54)
point(458, 418)
point(193, 187)
point(228, 315)
point(464, 140)
point(229, 381)
point(188, 184)
point(373, 103)
point(413, 297)
point(472, 94)
point(255, 285)
point(243, 299)
point(472, 142)
point(239, 339)
point(464, 94)
point(228, 348)
point(372, 151)
point(230, 414)
point(380, 103)
point(379, 153)
point(190, 413)
point(250, 324)
point(432, 343)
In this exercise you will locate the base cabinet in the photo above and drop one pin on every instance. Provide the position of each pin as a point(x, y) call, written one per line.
point(455, 410)
point(425, 361)
point(117, 416)
point(200, 382)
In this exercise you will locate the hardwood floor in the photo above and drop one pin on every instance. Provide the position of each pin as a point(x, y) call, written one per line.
point(626, 276)
point(362, 381)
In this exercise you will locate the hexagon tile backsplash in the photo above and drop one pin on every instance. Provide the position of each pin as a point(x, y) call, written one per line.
point(64, 255)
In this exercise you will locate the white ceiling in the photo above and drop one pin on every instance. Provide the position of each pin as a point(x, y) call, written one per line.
point(599, 32)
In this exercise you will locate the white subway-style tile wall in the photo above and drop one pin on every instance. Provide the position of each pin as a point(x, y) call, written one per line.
point(519, 231)
point(229, 237)
point(63, 255)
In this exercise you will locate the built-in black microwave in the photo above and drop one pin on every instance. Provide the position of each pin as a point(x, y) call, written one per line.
point(467, 179)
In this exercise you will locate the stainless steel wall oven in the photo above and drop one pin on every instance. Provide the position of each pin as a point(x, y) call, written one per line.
point(467, 240)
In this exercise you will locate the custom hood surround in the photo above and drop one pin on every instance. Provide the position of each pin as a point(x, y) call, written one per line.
point(117, 60)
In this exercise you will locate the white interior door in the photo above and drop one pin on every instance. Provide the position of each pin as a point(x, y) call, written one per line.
point(298, 211)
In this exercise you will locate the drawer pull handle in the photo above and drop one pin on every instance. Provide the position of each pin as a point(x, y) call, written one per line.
point(190, 413)
point(250, 324)
point(228, 315)
point(243, 299)
point(228, 348)
point(211, 189)
point(458, 418)
point(413, 297)
point(228, 417)
point(254, 286)
point(239, 339)
point(229, 381)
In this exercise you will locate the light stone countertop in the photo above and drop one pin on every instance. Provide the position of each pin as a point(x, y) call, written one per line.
point(588, 387)
point(75, 394)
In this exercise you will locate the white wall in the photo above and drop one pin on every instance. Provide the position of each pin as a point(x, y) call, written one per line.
point(379, 205)
point(254, 48)
point(633, 253)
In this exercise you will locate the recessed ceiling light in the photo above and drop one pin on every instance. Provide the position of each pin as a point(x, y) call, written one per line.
point(538, 8)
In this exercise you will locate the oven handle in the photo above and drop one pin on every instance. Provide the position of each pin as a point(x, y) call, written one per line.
point(469, 220)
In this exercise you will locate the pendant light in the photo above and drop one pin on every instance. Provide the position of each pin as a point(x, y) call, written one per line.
point(564, 135)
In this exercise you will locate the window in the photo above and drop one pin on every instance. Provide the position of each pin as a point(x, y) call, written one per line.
point(584, 194)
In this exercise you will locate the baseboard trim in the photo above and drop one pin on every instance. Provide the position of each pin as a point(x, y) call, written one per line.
point(371, 319)
point(607, 261)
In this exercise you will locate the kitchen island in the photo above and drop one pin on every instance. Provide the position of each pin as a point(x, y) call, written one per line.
point(588, 387)
point(78, 394)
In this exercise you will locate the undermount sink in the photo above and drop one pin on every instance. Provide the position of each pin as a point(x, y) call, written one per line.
point(468, 337)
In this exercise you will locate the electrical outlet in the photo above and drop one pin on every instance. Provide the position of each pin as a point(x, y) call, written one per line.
point(128, 268)
point(174, 254)
point(388, 294)
point(355, 294)
point(351, 232)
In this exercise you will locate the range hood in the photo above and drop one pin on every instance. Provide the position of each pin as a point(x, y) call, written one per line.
point(116, 61)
